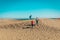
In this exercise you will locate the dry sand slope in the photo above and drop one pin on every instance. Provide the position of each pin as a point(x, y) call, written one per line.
point(13, 30)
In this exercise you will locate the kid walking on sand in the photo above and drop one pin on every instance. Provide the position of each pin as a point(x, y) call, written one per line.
point(32, 23)
point(37, 20)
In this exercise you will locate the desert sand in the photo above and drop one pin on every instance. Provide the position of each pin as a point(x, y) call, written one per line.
point(48, 29)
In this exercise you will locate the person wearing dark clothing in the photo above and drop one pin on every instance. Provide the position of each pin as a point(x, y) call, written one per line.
point(30, 16)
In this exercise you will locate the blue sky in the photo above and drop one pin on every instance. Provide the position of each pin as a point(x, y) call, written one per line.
point(23, 8)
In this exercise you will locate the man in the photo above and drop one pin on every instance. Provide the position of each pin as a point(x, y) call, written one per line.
point(30, 16)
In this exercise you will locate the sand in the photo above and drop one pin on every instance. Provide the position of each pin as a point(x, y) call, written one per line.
point(48, 29)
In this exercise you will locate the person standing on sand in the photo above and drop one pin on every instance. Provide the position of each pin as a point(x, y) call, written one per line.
point(37, 20)
point(30, 17)
point(32, 23)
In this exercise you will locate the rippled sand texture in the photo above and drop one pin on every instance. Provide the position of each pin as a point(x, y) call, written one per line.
point(48, 29)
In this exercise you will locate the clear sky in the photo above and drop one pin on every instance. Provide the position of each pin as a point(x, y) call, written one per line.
point(23, 8)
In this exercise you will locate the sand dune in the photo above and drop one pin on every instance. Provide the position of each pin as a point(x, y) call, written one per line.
point(48, 29)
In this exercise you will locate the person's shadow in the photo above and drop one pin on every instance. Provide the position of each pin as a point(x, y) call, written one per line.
point(27, 26)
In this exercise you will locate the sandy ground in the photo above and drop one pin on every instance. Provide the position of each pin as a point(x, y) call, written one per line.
point(48, 29)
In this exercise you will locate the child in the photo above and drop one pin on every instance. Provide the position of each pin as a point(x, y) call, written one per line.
point(37, 20)
point(32, 23)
